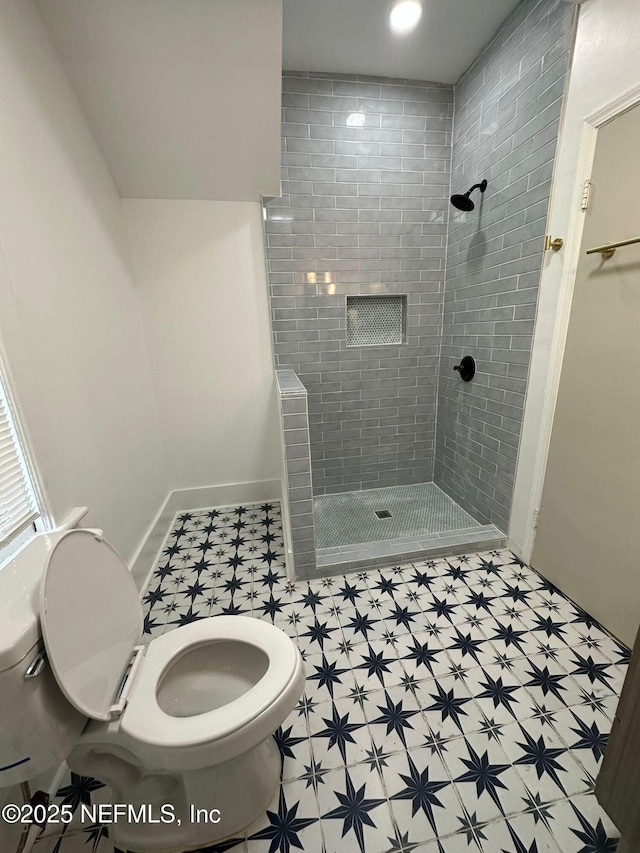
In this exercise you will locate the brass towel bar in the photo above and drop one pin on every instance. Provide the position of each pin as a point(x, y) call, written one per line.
point(609, 250)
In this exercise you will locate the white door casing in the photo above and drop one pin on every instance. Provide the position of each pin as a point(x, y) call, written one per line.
point(604, 82)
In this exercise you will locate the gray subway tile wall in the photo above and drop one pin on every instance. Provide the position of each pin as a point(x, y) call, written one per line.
point(364, 210)
point(507, 114)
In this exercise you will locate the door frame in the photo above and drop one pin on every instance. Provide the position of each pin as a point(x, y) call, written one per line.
point(550, 336)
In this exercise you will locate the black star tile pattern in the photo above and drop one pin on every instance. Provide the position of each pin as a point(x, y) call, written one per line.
point(454, 704)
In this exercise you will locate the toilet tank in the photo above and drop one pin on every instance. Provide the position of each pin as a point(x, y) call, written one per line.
point(38, 726)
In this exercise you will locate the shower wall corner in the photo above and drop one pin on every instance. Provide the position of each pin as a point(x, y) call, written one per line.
point(508, 107)
point(298, 486)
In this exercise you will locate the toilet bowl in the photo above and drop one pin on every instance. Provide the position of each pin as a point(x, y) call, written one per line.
point(182, 726)
point(196, 731)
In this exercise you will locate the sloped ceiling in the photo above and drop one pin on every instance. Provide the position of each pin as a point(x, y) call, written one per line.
point(183, 96)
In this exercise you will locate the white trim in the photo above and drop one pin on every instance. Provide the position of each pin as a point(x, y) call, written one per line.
point(286, 528)
point(284, 492)
point(622, 104)
point(73, 518)
point(146, 555)
point(554, 310)
point(46, 519)
point(226, 495)
point(161, 536)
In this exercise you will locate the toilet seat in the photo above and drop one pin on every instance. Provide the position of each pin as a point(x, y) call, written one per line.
point(92, 624)
point(146, 722)
point(91, 620)
point(188, 720)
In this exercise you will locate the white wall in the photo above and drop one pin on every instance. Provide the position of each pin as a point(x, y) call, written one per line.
point(172, 89)
point(606, 64)
point(200, 271)
point(69, 316)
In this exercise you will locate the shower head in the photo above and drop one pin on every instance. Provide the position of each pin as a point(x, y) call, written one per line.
point(463, 202)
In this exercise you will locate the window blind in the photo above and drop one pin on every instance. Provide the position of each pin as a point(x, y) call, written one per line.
point(18, 504)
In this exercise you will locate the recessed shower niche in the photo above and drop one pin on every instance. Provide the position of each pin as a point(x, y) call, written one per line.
point(375, 320)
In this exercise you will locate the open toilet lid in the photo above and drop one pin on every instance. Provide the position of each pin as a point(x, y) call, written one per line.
point(91, 620)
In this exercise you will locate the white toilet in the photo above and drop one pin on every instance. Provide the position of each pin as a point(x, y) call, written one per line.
point(185, 721)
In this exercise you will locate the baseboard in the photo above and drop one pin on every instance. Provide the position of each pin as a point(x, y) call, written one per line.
point(520, 549)
point(144, 559)
point(226, 495)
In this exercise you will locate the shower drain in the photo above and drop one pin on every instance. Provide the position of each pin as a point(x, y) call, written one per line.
point(383, 513)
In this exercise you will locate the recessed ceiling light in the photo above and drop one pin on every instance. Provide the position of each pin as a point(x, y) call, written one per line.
point(404, 16)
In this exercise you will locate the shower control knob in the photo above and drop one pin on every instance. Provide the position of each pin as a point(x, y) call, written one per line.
point(466, 368)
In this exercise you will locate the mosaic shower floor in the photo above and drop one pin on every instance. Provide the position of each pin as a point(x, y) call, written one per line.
point(348, 518)
point(461, 704)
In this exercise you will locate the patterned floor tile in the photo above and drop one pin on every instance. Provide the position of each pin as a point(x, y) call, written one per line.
point(292, 738)
point(451, 705)
point(355, 812)
point(498, 693)
point(509, 635)
point(422, 655)
point(362, 624)
point(449, 709)
point(292, 820)
point(547, 767)
point(424, 802)
point(376, 665)
point(403, 615)
point(580, 825)
point(329, 676)
point(487, 782)
point(467, 645)
point(516, 835)
point(339, 734)
point(319, 633)
point(548, 681)
point(585, 731)
point(395, 719)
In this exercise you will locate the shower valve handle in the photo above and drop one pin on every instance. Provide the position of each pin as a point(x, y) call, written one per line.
point(466, 368)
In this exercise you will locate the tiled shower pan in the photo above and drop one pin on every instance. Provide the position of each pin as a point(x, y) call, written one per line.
point(379, 527)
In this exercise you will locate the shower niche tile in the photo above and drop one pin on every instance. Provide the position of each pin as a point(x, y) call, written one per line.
point(376, 320)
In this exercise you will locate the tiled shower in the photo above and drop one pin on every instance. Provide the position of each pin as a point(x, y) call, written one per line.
point(363, 241)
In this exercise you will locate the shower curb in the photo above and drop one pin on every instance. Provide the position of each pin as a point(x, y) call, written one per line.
point(393, 552)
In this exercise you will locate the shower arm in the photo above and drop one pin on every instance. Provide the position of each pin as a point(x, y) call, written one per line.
point(481, 186)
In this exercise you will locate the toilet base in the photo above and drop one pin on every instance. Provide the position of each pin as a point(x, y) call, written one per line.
point(240, 790)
